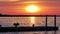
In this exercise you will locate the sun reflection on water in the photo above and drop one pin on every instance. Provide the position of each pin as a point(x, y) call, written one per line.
point(32, 20)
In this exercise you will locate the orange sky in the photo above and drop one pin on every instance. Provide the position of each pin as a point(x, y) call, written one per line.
point(17, 7)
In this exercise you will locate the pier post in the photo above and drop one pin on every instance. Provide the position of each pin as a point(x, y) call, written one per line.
point(46, 25)
point(46, 20)
point(55, 20)
point(33, 25)
point(54, 23)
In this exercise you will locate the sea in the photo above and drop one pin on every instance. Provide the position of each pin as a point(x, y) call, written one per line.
point(28, 21)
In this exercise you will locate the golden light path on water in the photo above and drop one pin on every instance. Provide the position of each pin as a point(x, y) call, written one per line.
point(32, 20)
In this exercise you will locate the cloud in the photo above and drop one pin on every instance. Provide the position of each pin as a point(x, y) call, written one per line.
point(8, 0)
point(29, 0)
point(42, 3)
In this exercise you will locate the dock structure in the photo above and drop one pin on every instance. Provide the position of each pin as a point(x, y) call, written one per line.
point(37, 28)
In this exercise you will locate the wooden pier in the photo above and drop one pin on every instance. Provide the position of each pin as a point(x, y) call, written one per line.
point(38, 28)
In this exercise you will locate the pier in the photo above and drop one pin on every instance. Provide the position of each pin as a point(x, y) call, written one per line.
point(36, 28)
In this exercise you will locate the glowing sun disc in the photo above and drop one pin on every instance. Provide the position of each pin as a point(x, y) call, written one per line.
point(32, 8)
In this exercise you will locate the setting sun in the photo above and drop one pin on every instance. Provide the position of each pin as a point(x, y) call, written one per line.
point(32, 9)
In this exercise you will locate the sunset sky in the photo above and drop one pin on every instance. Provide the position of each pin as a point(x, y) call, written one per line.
point(16, 7)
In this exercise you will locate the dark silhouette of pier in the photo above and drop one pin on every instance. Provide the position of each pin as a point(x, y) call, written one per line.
point(26, 29)
point(32, 28)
